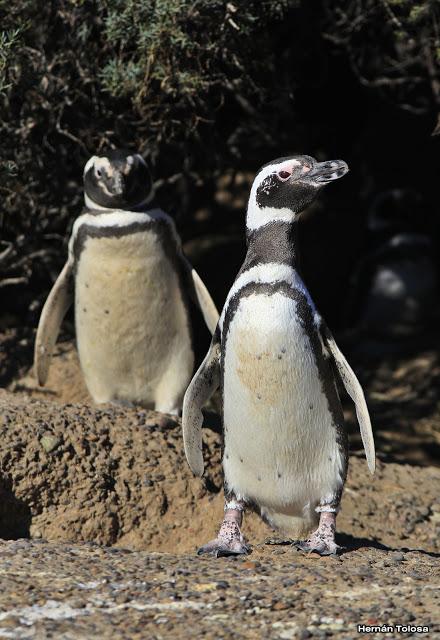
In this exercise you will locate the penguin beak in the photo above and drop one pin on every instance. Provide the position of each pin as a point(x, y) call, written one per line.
point(118, 185)
point(323, 172)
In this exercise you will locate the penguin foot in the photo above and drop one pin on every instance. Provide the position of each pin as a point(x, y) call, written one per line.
point(322, 540)
point(219, 549)
point(316, 544)
point(229, 542)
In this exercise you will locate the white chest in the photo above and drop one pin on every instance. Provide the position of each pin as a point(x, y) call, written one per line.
point(124, 281)
point(130, 315)
point(280, 440)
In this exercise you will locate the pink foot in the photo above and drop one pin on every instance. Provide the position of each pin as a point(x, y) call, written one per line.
point(322, 540)
point(229, 540)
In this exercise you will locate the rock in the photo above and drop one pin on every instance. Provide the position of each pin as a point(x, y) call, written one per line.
point(50, 442)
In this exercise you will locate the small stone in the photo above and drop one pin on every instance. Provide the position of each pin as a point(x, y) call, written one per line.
point(435, 517)
point(205, 587)
point(222, 584)
point(285, 630)
point(415, 575)
point(290, 582)
point(275, 541)
point(49, 442)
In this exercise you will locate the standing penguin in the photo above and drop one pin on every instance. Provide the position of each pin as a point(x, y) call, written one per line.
point(285, 447)
point(131, 284)
point(396, 279)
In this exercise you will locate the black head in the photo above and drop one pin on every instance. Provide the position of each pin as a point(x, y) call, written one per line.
point(117, 180)
point(286, 186)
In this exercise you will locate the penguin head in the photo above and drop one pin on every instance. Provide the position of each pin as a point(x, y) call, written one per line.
point(117, 180)
point(286, 186)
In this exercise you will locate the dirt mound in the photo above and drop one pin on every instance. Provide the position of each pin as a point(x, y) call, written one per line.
point(65, 382)
point(117, 476)
point(402, 394)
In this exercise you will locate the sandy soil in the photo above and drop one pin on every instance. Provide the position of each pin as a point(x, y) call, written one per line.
point(402, 387)
point(112, 475)
point(115, 516)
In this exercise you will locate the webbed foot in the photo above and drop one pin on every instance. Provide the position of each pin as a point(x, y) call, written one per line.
point(219, 549)
point(229, 540)
point(317, 545)
point(322, 540)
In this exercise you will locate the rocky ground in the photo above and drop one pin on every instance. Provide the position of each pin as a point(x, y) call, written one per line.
point(101, 518)
point(85, 591)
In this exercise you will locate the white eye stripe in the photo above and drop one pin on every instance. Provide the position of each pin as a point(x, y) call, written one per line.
point(90, 162)
point(102, 163)
point(287, 165)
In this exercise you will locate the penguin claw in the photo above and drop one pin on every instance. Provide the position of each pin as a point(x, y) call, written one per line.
point(221, 549)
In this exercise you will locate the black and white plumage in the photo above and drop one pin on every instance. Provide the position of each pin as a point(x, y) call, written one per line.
point(285, 447)
point(396, 280)
point(131, 285)
point(400, 283)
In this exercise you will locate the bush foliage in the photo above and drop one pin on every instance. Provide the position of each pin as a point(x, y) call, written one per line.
point(197, 86)
point(393, 47)
point(162, 77)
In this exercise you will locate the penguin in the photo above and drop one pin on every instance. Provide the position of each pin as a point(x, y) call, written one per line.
point(131, 285)
point(395, 282)
point(285, 449)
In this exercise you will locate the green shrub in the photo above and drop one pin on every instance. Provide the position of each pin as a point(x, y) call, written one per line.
point(196, 85)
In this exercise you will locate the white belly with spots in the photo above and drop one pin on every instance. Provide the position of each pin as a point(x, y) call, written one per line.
point(280, 441)
point(131, 323)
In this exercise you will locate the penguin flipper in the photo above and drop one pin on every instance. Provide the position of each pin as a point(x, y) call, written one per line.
point(206, 303)
point(202, 297)
point(354, 390)
point(55, 308)
point(202, 386)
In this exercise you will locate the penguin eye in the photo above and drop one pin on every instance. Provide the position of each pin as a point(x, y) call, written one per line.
point(284, 175)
